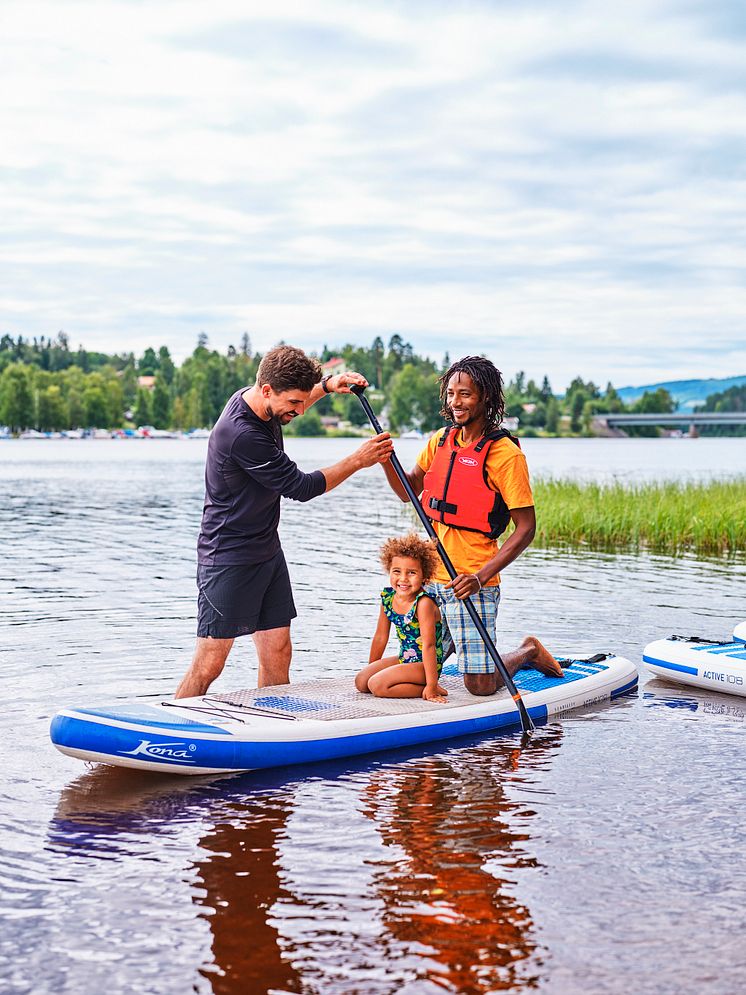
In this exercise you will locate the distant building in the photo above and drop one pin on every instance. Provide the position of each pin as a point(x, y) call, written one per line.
point(510, 423)
point(333, 366)
point(147, 383)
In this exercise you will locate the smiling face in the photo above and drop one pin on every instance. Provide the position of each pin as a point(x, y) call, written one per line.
point(285, 405)
point(406, 576)
point(464, 400)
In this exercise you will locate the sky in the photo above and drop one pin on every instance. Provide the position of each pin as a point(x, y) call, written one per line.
point(559, 186)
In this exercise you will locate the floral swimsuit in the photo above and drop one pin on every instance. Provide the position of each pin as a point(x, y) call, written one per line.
point(408, 630)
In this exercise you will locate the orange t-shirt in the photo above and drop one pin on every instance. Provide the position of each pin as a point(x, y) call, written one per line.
point(507, 472)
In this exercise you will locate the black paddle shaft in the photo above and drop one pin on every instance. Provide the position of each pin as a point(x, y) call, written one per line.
point(526, 723)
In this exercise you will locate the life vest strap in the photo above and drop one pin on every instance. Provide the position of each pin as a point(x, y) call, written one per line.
point(443, 506)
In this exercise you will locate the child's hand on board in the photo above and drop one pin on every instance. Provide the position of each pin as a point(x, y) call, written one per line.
point(436, 693)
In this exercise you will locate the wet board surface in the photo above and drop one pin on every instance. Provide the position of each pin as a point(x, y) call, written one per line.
point(312, 721)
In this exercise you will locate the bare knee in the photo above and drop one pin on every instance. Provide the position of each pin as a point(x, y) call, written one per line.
point(210, 656)
point(361, 683)
point(480, 684)
point(378, 685)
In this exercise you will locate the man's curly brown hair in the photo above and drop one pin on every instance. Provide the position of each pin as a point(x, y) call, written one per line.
point(287, 368)
point(416, 548)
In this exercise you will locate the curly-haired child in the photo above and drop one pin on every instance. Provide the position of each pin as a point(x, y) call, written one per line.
point(410, 562)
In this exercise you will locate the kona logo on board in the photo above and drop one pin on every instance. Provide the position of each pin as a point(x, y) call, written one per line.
point(161, 751)
point(468, 461)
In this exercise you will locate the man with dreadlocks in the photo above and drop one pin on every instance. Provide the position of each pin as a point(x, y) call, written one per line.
point(473, 480)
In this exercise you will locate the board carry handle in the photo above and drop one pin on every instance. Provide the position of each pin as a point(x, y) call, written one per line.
point(527, 724)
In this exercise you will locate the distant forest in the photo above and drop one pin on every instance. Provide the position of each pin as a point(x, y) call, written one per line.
point(47, 386)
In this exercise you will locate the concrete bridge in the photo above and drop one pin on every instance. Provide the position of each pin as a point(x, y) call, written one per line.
point(685, 422)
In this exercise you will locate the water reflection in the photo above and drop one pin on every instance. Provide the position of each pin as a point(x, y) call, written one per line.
point(241, 877)
point(661, 694)
point(363, 878)
point(452, 837)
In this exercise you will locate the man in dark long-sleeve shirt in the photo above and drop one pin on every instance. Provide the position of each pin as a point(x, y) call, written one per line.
point(242, 577)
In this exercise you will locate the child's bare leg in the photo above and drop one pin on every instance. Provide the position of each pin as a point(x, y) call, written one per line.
point(404, 680)
point(361, 680)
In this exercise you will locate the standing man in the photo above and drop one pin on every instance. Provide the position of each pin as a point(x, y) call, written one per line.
point(243, 581)
point(473, 480)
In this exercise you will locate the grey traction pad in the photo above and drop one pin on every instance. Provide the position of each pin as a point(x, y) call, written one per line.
point(336, 698)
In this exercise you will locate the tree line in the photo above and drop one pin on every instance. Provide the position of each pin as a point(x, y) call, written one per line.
point(47, 386)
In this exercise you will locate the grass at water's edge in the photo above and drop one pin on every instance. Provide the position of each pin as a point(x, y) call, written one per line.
point(664, 517)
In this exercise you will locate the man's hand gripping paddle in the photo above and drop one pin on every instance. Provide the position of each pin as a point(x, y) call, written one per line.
point(526, 723)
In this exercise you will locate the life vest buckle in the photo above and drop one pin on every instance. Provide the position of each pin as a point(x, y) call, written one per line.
point(444, 507)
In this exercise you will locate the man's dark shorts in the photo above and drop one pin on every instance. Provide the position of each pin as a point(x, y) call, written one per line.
point(238, 600)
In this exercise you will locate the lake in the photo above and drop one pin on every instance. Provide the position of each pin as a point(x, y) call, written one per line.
point(604, 856)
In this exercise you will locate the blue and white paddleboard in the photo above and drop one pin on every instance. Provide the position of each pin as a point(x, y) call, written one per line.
point(319, 720)
point(717, 666)
point(739, 632)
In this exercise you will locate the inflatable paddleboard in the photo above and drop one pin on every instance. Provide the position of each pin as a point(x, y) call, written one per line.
point(318, 720)
point(739, 632)
point(703, 663)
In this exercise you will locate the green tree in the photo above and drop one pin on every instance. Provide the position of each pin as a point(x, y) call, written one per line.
point(552, 417)
point(377, 355)
point(193, 409)
point(148, 363)
point(309, 424)
point(114, 400)
point(16, 397)
point(652, 402)
point(129, 386)
point(95, 407)
point(413, 400)
point(143, 413)
point(577, 403)
point(161, 404)
point(166, 368)
point(53, 414)
point(178, 417)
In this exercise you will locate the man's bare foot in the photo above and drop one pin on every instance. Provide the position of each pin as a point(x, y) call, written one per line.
point(541, 658)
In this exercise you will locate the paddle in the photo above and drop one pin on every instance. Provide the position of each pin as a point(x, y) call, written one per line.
point(526, 723)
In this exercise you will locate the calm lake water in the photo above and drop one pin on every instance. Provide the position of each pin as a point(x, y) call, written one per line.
point(606, 856)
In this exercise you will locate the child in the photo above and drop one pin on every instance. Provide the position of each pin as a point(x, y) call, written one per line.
point(410, 562)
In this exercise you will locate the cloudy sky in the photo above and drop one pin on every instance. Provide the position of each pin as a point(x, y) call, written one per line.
point(561, 186)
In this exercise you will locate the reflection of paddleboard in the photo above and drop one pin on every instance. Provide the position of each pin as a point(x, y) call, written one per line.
point(740, 632)
point(717, 666)
point(658, 694)
point(316, 720)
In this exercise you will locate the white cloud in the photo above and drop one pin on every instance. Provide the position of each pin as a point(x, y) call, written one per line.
point(481, 177)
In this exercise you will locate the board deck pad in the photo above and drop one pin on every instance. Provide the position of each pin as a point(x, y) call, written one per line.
point(336, 698)
point(734, 650)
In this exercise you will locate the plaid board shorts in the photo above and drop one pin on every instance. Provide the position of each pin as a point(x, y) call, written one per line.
point(459, 632)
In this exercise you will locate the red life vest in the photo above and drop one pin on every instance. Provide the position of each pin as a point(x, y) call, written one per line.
point(455, 490)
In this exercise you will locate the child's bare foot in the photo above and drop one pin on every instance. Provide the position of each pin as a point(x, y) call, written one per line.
point(541, 658)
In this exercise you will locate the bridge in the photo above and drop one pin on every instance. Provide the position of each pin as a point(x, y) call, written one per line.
point(676, 419)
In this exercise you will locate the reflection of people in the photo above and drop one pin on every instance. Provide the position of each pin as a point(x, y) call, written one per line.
point(234, 875)
point(473, 479)
point(244, 586)
point(414, 673)
point(241, 877)
point(453, 840)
